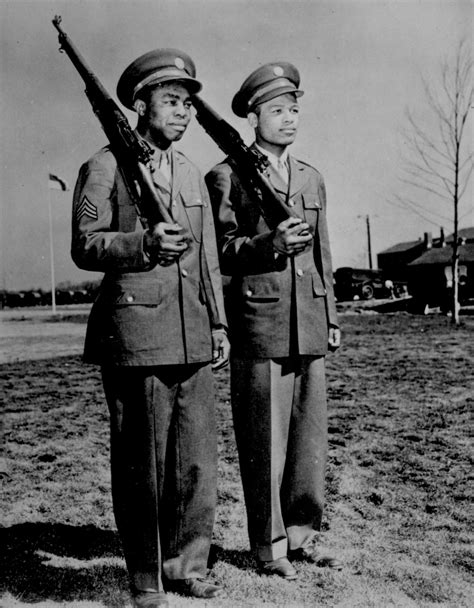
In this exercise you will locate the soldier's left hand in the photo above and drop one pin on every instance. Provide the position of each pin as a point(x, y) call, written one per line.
point(220, 349)
point(334, 340)
point(165, 242)
point(292, 236)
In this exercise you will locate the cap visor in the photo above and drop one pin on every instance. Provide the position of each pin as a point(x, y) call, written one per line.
point(276, 93)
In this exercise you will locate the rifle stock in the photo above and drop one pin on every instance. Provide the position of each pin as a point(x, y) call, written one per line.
point(133, 154)
point(249, 164)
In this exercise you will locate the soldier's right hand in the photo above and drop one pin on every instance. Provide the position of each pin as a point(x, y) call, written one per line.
point(292, 236)
point(165, 243)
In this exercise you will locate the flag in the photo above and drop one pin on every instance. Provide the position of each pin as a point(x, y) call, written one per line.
point(56, 183)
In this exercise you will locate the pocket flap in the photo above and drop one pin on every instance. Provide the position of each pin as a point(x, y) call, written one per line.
point(193, 199)
point(318, 285)
point(137, 295)
point(311, 201)
point(261, 287)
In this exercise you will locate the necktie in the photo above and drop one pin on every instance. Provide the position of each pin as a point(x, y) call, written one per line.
point(164, 166)
point(282, 169)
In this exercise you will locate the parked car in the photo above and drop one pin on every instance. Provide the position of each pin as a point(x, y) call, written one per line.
point(365, 284)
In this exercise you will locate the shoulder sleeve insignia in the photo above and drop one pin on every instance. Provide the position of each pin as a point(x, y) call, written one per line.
point(86, 209)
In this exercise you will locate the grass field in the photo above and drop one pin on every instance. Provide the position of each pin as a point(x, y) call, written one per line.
point(399, 480)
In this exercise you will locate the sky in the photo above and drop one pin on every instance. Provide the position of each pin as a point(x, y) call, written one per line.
point(361, 64)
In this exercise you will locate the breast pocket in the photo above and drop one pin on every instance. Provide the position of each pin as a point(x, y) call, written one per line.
point(311, 200)
point(193, 205)
point(311, 206)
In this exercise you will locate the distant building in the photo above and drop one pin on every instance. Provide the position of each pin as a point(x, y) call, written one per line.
point(426, 265)
point(393, 261)
point(431, 275)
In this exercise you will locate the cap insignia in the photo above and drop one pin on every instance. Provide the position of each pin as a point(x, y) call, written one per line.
point(278, 70)
point(179, 63)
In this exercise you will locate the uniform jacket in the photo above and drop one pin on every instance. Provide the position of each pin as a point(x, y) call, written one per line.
point(146, 314)
point(277, 306)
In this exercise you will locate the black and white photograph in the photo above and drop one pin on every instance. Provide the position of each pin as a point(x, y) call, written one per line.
point(236, 303)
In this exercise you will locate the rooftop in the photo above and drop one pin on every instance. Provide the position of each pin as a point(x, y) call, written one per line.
point(442, 255)
point(463, 233)
point(399, 247)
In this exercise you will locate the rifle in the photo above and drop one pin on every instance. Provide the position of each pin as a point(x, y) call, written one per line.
point(250, 165)
point(132, 153)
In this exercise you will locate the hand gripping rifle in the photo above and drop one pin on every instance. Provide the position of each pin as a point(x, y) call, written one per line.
point(133, 154)
point(250, 165)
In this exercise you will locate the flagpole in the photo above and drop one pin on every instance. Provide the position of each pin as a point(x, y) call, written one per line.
point(51, 254)
point(59, 184)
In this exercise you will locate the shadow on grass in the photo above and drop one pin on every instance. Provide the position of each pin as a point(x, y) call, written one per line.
point(61, 563)
point(243, 560)
point(41, 561)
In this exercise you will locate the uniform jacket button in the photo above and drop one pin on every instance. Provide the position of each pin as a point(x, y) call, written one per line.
point(129, 298)
point(299, 272)
point(248, 293)
point(291, 202)
point(184, 272)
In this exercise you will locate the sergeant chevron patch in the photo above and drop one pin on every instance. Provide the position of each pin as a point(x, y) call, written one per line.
point(86, 208)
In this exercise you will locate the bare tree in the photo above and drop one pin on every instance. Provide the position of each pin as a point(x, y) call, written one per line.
point(438, 153)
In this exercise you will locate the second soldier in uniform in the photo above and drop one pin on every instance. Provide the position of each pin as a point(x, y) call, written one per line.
point(156, 326)
point(282, 320)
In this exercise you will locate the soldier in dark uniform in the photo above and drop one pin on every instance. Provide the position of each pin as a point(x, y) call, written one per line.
point(282, 320)
point(157, 328)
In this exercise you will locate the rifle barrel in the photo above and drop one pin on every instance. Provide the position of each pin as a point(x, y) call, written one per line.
point(132, 154)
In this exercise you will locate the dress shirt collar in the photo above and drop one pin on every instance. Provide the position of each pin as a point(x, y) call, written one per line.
point(274, 160)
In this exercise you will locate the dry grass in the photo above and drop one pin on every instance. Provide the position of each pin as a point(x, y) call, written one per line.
point(399, 481)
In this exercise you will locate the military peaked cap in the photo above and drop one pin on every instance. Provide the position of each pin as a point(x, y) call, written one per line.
point(265, 83)
point(156, 67)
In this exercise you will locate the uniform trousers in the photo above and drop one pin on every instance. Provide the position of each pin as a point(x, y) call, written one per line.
point(280, 420)
point(164, 469)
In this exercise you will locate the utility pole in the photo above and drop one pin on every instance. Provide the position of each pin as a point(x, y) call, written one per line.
point(369, 244)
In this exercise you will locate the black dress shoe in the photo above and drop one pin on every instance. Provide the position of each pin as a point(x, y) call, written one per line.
point(150, 599)
point(315, 556)
point(194, 587)
point(281, 567)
